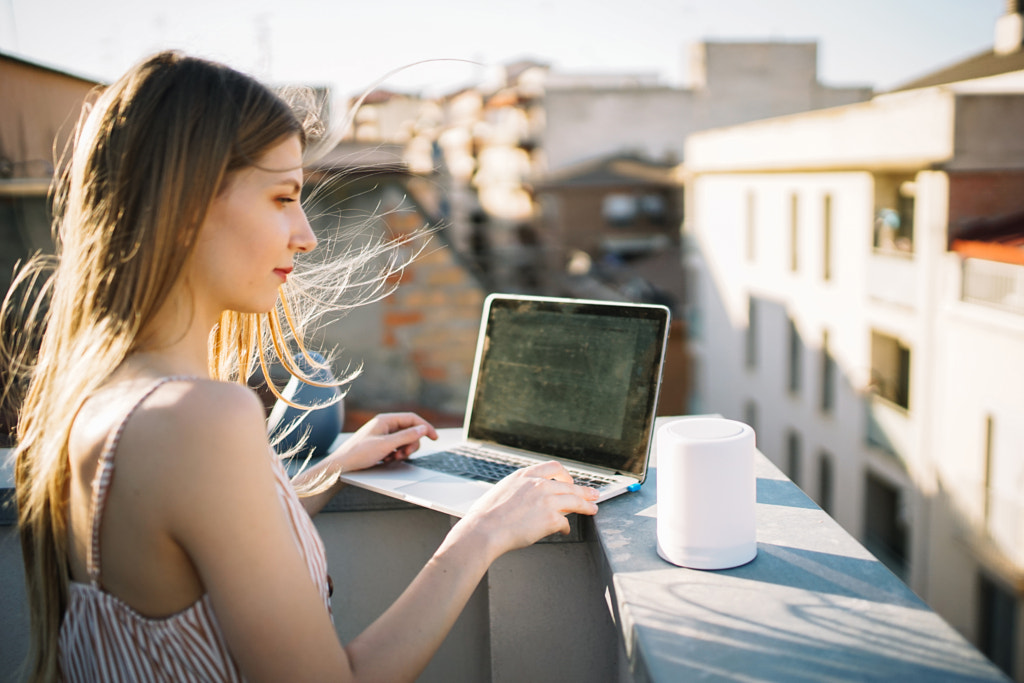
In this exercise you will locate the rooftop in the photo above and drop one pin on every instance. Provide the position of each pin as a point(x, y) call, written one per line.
point(989, 63)
point(995, 239)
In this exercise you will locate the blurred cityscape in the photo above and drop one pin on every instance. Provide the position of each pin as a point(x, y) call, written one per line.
point(845, 268)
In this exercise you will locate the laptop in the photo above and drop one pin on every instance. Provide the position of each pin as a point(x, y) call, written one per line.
point(571, 380)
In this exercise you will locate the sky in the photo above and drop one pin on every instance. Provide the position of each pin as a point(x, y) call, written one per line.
point(446, 44)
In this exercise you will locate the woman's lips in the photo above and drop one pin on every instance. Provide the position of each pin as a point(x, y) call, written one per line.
point(283, 273)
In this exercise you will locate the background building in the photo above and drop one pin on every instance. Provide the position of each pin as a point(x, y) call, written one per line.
point(881, 368)
point(38, 110)
point(730, 82)
point(416, 346)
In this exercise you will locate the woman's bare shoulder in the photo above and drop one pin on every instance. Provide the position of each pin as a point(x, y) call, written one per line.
point(199, 400)
point(181, 432)
point(194, 445)
point(176, 411)
point(195, 416)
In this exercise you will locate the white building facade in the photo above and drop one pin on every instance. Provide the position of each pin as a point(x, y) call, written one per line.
point(828, 312)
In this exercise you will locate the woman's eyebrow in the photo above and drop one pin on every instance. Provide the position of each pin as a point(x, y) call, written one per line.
point(290, 183)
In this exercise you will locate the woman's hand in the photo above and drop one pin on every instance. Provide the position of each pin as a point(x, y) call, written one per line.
point(521, 509)
point(526, 506)
point(385, 438)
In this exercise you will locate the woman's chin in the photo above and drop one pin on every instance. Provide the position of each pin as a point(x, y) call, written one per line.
point(255, 308)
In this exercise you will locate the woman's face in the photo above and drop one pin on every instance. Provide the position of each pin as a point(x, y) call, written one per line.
point(253, 229)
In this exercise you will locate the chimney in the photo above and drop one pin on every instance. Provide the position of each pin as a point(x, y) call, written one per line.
point(1010, 29)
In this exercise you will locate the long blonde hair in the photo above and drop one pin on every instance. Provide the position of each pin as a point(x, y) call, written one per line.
point(149, 156)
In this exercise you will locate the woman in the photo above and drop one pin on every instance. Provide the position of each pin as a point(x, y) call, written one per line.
point(179, 226)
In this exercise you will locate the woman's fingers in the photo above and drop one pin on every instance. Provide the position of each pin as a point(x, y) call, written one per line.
point(404, 441)
point(546, 470)
point(389, 423)
point(554, 470)
point(385, 438)
point(530, 504)
point(555, 487)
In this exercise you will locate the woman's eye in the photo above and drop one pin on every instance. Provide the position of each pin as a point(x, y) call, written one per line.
point(286, 200)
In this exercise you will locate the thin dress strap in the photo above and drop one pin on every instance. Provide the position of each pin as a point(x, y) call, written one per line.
point(105, 472)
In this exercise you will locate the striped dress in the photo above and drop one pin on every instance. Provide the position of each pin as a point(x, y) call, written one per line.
point(104, 639)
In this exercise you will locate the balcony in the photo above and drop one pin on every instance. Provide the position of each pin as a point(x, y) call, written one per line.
point(601, 605)
point(892, 278)
point(994, 284)
point(888, 427)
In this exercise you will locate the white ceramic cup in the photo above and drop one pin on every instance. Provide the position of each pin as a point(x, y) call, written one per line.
point(707, 493)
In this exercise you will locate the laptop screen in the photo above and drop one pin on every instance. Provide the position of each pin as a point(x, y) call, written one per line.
point(573, 379)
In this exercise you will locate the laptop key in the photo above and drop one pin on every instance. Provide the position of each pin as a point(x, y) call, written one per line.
point(466, 466)
point(463, 464)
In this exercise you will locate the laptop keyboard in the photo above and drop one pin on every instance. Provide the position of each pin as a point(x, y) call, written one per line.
point(484, 465)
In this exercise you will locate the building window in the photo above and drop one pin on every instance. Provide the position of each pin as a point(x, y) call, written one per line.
point(692, 308)
point(793, 456)
point(619, 209)
point(828, 375)
point(653, 208)
point(622, 209)
point(987, 452)
point(795, 346)
point(997, 624)
point(825, 481)
point(695, 401)
point(890, 369)
point(885, 528)
point(794, 232)
point(895, 197)
point(826, 238)
point(750, 414)
point(751, 226)
point(24, 230)
point(751, 340)
point(905, 204)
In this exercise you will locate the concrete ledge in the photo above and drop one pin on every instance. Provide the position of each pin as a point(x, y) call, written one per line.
point(813, 605)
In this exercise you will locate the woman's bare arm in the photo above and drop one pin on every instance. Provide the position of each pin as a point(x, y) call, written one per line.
point(228, 520)
point(389, 436)
point(520, 510)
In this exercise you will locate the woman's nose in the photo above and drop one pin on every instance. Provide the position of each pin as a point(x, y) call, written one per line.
point(303, 237)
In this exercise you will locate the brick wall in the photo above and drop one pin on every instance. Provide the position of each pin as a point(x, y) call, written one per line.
point(431, 320)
